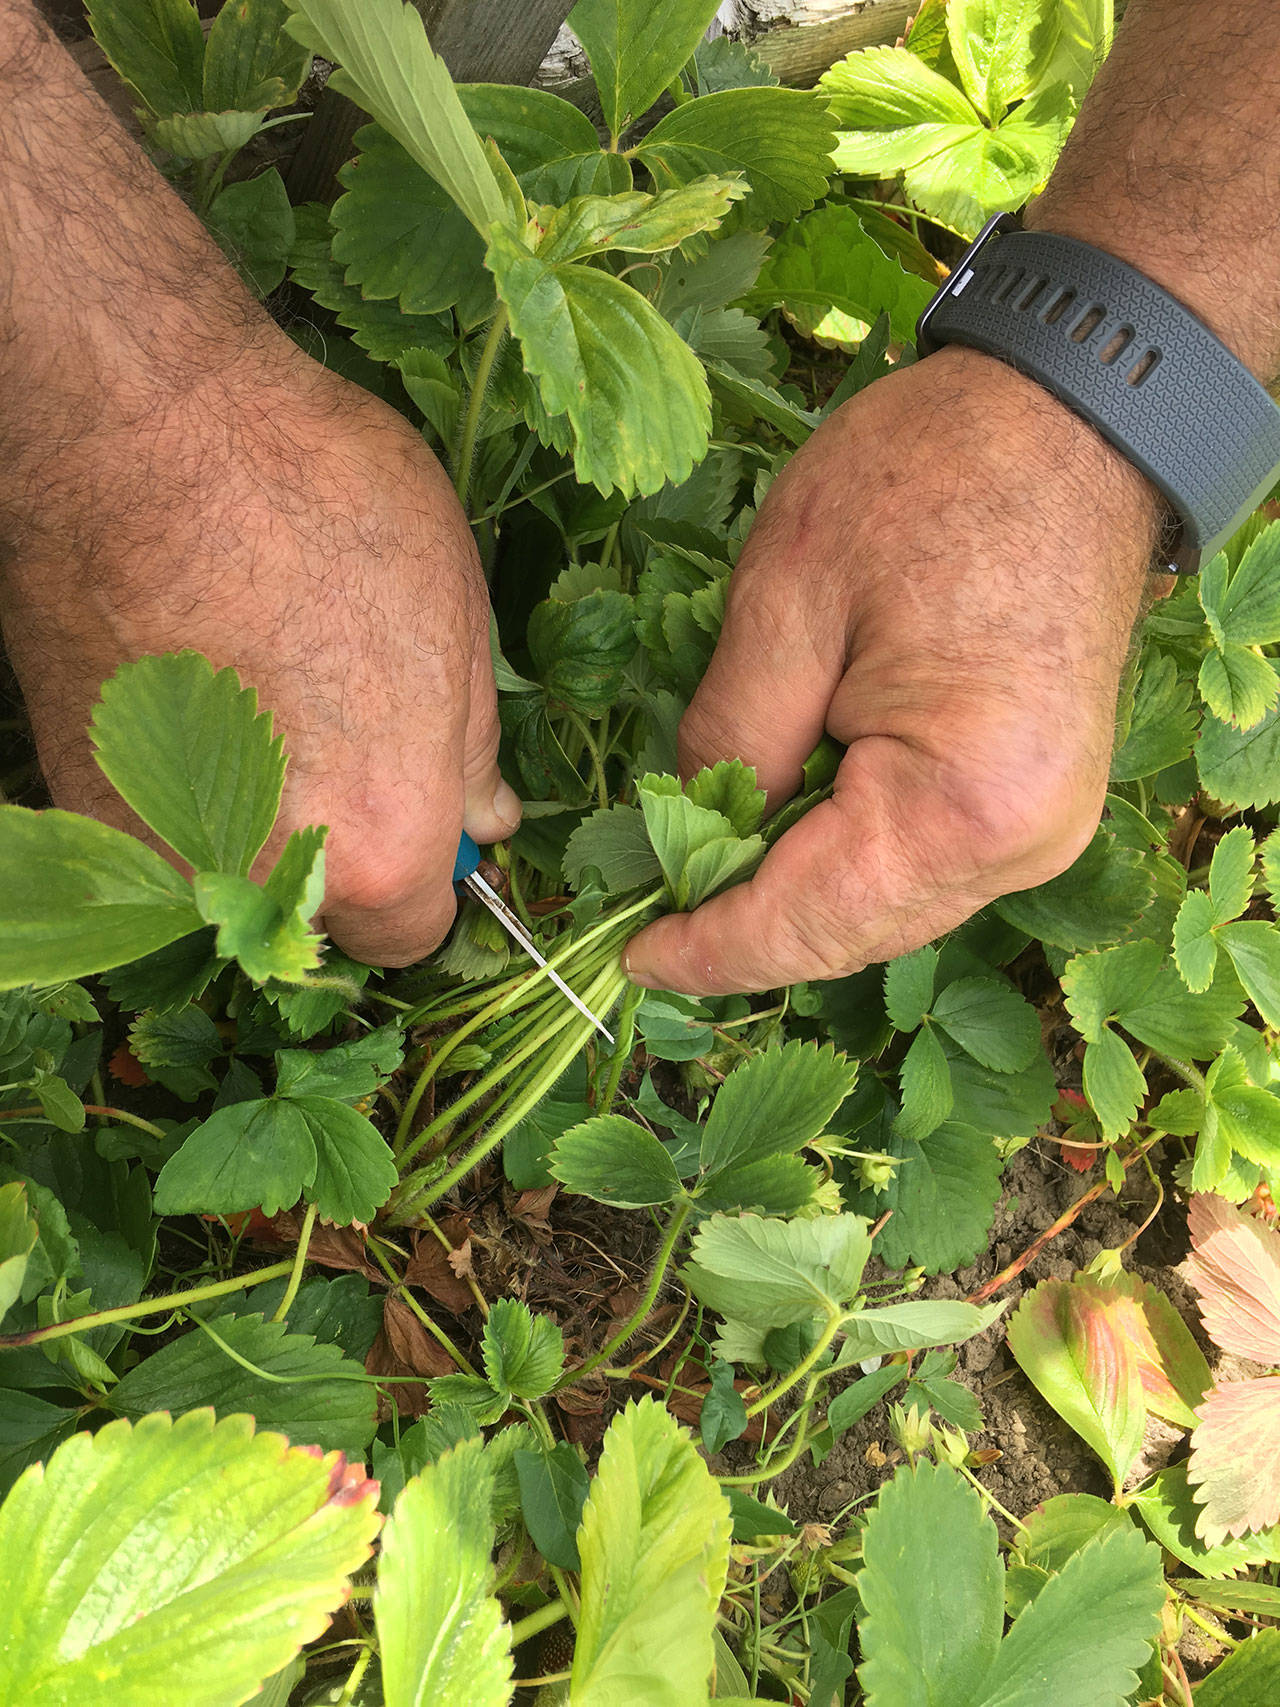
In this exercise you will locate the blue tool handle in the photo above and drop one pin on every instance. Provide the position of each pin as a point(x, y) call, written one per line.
point(468, 858)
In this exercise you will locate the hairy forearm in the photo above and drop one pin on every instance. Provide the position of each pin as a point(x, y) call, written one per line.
point(1174, 164)
point(113, 299)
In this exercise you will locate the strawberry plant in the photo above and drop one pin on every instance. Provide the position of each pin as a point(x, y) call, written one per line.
point(252, 1193)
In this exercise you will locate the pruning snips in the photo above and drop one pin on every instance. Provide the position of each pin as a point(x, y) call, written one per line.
point(466, 874)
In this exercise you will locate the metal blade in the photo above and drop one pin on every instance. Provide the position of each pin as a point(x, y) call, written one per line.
point(511, 924)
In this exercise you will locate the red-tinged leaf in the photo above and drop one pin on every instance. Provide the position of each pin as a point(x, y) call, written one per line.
point(1234, 1266)
point(125, 1067)
point(1077, 1157)
point(1080, 1358)
point(1171, 1366)
point(1234, 1467)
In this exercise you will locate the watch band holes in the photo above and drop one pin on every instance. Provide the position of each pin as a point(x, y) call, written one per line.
point(1116, 346)
point(1030, 294)
point(1058, 306)
point(1006, 287)
point(1088, 323)
point(1143, 368)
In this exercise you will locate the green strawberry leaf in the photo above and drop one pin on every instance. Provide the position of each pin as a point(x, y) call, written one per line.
point(523, 1353)
point(615, 1161)
point(636, 51)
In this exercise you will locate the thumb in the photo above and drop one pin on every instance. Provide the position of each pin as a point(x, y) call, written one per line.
point(491, 809)
point(765, 694)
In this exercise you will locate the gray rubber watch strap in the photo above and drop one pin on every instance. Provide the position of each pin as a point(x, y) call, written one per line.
point(1122, 352)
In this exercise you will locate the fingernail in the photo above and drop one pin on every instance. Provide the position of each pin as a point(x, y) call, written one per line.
point(506, 804)
point(636, 972)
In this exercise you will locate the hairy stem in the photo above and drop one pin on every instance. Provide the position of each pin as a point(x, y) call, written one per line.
point(475, 405)
point(149, 1307)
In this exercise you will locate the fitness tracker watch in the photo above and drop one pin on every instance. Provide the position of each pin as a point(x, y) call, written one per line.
point(1116, 348)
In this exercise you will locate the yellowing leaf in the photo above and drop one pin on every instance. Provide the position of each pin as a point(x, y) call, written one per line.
point(1234, 1267)
point(654, 1543)
point(1235, 1459)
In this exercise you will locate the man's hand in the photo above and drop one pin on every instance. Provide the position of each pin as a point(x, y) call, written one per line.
point(945, 578)
point(175, 473)
point(280, 520)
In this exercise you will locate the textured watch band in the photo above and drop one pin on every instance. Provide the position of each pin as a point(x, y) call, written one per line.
point(1127, 356)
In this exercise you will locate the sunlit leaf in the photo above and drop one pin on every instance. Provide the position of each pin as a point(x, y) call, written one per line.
point(1234, 1468)
point(1234, 1267)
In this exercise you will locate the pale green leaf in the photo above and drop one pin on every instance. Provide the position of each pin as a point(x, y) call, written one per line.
point(634, 393)
point(892, 110)
point(254, 930)
point(991, 1021)
point(1238, 685)
point(18, 1235)
point(138, 1561)
point(1100, 986)
point(196, 136)
point(774, 1103)
point(523, 1353)
point(1083, 43)
point(1254, 947)
point(387, 66)
point(157, 46)
point(251, 61)
point(1195, 947)
point(908, 987)
point(729, 787)
point(635, 222)
point(912, 1327)
point(931, 1590)
point(1246, 608)
point(636, 50)
point(1249, 1676)
point(1171, 1019)
point(677, 827)
point(715, 866)
point(777, 1272)
point(1113, 1082)
point(308, 1390)
point(1241, 767)
point(654, 1543)
point(78, 897)
point(441, 1633)
point(781, 139)
point(1166, 1506)
point(1247, 1116)
point(1231, 873)
point(189, 750)
point(832, 280)
point(978, 172)
point(1001, 48)
point(615, 1161)
point(1082, 1361)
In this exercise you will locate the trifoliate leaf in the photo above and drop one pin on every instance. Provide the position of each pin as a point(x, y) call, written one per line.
point(615, 842)
point(991, 1021)
point(775, 1273)
point(635, 395)
point(310, 1392)
point(387, 66)
point(774, 1103)
point(892, 110)
point(192, 754)
point(654, 1543)
point(78, 897)
point(781, 139)
point(636, 52)
point(549, 144)
point(1099, 987)
point(1094, 902)
point(185, 1623)
point(615, 1161)
point(832, 280)
point(1244, 607)
point(979, 171)
point(523, 1353)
